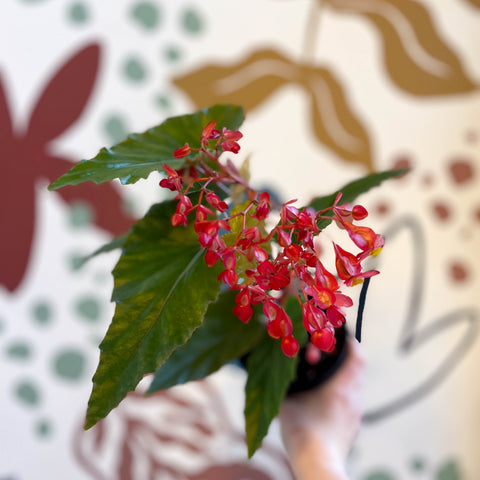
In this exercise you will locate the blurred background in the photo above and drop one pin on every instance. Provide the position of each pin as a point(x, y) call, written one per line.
point(333, 89)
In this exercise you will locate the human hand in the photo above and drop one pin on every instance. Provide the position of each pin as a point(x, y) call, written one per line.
point(318, 427)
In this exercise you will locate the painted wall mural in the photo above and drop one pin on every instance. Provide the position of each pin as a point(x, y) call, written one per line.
point(345, 87)
point(56, 110)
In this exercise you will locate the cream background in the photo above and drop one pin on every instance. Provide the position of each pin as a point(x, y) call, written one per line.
point(35, 38)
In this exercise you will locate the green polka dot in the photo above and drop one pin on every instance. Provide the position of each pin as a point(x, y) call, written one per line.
point(88, 308)
point(95, 340)
point(172, 54)
point(75, 261)
point(115, 128)
point(78, 13)
point(380, 475)
point(449, 471)
point(43, 428)
point(163, 101)
point(69, 365)
point(19, 350)
point(42, 313)
point(191, 21)
point(417, 464)
point(134, 70)
point(27, 393)
point(130, 206)
point(146, 14)
point(101, 278)
point(81, 215)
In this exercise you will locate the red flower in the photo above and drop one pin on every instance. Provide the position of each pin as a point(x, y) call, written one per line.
point(229, 277)
point(297, 260)
point(244, 313)
point(184, 204)
point(324, 339)
point(365, 238)
point(279, 323)
point(357, 212)
point(324, 277)
point(182, 151)
point(209, 133)
point(229, 144)
point(214, 200)
point(243, 309)
point(349, 267)
point(173, 182)
point(211, 257)
point(313, 317)
point(263, 207)
point(272, 277)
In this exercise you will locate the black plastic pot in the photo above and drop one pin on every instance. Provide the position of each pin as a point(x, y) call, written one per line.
point(310, 376)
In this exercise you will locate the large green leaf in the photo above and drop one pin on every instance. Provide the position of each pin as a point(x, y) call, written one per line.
point(221, 338)
point(162, 290)
point(141, 154)
point(352, 190)
point(270, 373)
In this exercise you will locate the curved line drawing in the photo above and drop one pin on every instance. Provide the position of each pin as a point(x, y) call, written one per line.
point(413, 337)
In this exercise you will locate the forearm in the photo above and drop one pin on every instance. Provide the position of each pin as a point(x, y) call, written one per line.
point(319, 426)
point(311, 459)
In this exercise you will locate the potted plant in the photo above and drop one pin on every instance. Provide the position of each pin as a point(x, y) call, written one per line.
point(206, 277)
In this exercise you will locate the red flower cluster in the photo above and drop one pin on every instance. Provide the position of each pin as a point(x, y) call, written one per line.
point(236, 236)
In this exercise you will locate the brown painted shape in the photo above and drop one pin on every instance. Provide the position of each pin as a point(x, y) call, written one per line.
point(458, 271)
point(441, 210)
point(461, 170)
point(474, 3)
point(249, 82)
point(416, 56)
point(333, 120)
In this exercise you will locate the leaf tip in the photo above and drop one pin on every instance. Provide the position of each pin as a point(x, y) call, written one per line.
point(251, 451)
point(53, 186)
point(89, 423)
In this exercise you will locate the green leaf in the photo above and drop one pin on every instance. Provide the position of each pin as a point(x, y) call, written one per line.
point(270, 373)
point(117, 242)
point(352, 190)
point(294, 311)
point(221, 338)
point(141, 154)
point(162, 290)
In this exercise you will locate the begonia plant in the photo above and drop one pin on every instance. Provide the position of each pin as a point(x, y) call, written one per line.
point(208, 277)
